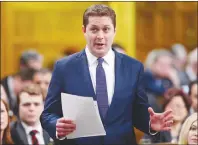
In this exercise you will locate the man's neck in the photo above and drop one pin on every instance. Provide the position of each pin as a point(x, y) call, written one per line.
point(30, 124)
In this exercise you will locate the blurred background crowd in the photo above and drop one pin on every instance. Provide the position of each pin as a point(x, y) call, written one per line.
point(168, 52)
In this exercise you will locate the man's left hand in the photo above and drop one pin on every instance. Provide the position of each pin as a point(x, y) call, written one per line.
point(160, 121)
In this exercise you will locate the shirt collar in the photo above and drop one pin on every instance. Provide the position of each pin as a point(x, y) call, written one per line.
point(108, 58)
point(30, 128)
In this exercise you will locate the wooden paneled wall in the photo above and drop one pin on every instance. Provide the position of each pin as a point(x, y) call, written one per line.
point(160, 24)
point(52, 27)
point(48, 27)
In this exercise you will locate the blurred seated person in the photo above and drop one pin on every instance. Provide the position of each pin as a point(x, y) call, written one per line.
point(118, 48)
point(31, 59)
point(159, 76)
point(193, 96)
point(42, 77)
point(191, 68)
point(189, 131)
point(179, 102)
point(28, 130)
point(14, 84)
point(150, 59)
point(5, 125)
point(179, 60)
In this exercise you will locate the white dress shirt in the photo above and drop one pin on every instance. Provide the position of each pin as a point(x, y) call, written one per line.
point(39, 135)
point(109, 68)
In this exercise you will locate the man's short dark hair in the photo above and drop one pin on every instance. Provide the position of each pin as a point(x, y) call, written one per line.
point(29, 55)
point(26, 74)
point(32, 89)
point(43, 71)
point(99, 10)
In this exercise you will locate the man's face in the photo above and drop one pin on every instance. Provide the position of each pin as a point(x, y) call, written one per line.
point(22, 84)
point(164, 62)
point(43, 81)
point(99, 34)
point(30, 108)
point(194, 97)
point(35, 64)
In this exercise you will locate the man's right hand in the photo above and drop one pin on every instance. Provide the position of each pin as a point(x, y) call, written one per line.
point(64, 127)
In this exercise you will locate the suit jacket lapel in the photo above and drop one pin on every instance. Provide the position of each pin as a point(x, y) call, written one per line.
point(84, 72)
point(22, 133)
point(46, 137)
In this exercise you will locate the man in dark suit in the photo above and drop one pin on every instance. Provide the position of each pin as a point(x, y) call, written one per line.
point(113, 79)
point(13, 84)
point(28, 129)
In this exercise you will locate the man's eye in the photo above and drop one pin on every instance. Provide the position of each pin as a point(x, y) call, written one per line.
point(38, 83)
point(36, 104)
point(106, 29)
point(26, 104)
point(94, 29)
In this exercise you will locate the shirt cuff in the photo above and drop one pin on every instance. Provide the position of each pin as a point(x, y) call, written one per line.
point(62, 138)
point(151, 132)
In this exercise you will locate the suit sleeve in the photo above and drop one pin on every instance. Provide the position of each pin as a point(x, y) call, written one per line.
point(52, 108)
point(151, 86)
point(140, 108)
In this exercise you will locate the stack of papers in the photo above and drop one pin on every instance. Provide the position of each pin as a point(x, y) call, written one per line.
point(85, 114)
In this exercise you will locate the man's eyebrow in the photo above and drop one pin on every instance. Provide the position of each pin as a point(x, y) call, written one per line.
point(93, 25)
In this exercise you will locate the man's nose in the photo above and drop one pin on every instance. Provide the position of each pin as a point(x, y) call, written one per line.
point(100, 35)
point(32, 107)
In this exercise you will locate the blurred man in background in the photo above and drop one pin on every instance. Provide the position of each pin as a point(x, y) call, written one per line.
point(193, 96)
point(179, 61)
point(31, 59)
point(191, 68)
point(159, 76)
point(14, 84)
point(180, 54)
point(28, 130)
point(42, 77)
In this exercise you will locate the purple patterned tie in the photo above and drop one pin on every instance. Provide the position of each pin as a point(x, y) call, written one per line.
point(101, 88)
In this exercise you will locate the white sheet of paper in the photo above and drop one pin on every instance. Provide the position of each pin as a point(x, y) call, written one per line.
point(85, 114)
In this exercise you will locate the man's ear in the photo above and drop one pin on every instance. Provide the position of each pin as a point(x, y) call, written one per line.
point(83, 29)
point(114, 32)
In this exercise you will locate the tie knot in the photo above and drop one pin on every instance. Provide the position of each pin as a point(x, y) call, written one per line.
point(33, 132)
point(100, 60)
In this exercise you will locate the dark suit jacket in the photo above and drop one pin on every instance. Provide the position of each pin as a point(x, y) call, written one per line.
point(19, 136)
point(12, 104)
point(129, 107)
point(163, 137)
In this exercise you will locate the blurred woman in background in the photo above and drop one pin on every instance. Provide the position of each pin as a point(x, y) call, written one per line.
point(5, 125)
point(188, 134)
point(179, 102)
